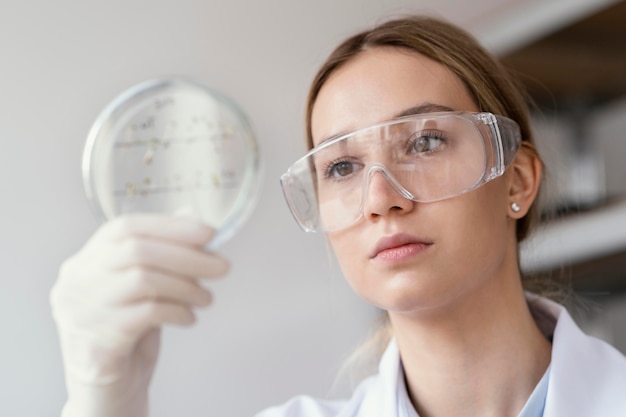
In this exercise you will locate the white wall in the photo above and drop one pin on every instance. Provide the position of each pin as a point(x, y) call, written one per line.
point(284, 318)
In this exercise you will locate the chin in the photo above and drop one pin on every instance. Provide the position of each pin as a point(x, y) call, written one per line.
point(406, 293)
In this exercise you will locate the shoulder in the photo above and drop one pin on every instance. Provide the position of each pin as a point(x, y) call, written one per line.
point(306, 406)
point(594, 362)
point(374, 397)
point(587, 375)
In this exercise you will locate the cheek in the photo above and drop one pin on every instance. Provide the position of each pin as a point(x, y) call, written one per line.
point(477, 228)
point(346, 251)
point(351, 254)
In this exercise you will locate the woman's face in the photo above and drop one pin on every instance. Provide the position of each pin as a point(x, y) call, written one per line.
point(405, 256)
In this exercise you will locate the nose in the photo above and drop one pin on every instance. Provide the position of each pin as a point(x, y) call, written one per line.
point(382, 195)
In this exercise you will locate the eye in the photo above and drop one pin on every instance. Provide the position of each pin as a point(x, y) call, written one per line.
point(425, 142)
point(341, 169)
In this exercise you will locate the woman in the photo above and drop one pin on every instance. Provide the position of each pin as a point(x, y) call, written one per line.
point(424, 176)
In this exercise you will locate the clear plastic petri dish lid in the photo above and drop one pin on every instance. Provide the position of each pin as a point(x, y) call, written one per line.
point(173, 145)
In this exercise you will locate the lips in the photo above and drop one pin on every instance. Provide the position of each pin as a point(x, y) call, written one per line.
point(399, 246)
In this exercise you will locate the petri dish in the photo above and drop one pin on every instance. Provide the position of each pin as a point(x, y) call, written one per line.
point(173, 145)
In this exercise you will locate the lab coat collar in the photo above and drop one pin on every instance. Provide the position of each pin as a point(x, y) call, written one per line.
point(378, 395)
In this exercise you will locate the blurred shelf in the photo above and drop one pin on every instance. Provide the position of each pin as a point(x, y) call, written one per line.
point(584, 60)
point(588, 249)
point(572, 72)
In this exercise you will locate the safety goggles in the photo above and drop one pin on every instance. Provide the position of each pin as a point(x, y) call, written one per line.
point(425, 158)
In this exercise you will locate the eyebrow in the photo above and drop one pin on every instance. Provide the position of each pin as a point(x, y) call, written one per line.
point(419, 109)
point(422, 108)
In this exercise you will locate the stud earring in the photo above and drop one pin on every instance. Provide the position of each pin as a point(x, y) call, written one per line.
point(515, 207)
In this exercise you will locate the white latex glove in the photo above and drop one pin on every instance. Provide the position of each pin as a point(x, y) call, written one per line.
point(136, 273)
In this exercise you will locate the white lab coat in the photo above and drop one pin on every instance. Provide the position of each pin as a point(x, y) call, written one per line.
point(587, 378)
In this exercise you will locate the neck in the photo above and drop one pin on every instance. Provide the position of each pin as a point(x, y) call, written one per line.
point(483, 356)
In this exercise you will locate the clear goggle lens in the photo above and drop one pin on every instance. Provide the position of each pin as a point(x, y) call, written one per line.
point(426, 158)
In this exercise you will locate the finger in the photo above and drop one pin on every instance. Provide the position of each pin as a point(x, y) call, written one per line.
point(169, 257)
point(117, 331)
point(183, 229)
point(142, 317)
point(148, 346)
point(139, 284)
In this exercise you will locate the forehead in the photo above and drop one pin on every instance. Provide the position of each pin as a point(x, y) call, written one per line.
point(380, 83)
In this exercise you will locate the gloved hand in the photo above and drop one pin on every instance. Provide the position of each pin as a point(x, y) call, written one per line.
point(136, 273)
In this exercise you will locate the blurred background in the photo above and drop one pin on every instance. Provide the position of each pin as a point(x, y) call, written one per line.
point(284, 320)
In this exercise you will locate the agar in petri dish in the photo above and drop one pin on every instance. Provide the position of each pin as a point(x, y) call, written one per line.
point(173, 145)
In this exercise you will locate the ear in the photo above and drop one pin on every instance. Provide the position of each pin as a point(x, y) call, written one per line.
point(526, 174)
